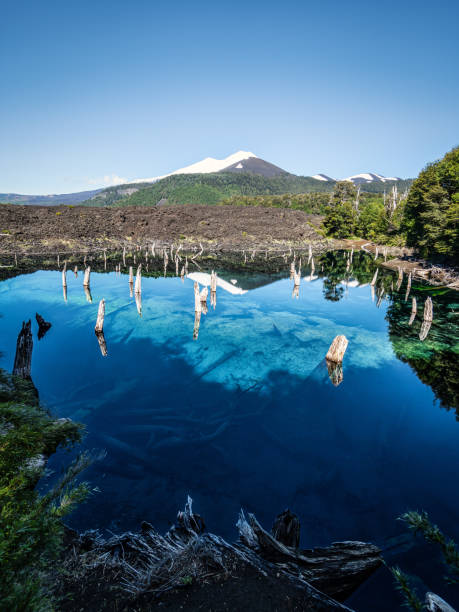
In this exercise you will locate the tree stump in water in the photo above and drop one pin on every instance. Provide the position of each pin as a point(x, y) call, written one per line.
point(24, 346)
point(286, 529)
point(43, 326)
point(100, 317)
point(87, 274)
point(337, 349)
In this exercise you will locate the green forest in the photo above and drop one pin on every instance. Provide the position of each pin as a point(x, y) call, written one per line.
point(425, 217)
point(214, 188)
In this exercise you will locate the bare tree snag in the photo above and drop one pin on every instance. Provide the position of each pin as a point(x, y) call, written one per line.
point(337, 349)
point(87, 275)
point(100, 317)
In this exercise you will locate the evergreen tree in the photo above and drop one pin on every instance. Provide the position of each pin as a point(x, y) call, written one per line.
point(431, 215)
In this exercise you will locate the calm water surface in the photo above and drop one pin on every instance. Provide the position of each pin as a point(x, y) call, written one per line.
point(246, 414)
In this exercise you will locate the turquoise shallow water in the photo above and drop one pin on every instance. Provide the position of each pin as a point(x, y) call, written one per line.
point(246, 415)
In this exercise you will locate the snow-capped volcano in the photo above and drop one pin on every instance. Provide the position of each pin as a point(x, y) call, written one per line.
point(369, 177)
point(205, 166)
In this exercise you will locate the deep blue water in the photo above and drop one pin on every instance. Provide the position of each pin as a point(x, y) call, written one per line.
point(246, 415)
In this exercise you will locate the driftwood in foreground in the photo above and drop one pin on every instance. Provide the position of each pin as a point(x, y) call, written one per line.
point(149, 562)
point(43, 326)
point(337, 349)
point(23, 356)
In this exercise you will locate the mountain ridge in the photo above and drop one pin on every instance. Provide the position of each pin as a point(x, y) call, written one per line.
point(240, 163)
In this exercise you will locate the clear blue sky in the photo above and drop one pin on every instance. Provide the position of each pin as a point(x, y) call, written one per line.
point(140, 88)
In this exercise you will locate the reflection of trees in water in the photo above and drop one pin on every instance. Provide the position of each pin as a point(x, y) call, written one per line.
point(435, 359)
point(335, 267)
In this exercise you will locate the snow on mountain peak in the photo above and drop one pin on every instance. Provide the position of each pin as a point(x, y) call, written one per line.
point(209, 164)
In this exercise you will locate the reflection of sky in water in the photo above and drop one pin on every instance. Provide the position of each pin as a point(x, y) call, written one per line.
point(245, 415)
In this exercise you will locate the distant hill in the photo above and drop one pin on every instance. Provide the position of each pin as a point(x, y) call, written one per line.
point(48, 200)
point(210, 181)
point(208, 189)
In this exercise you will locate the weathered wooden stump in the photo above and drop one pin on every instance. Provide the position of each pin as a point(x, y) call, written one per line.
point(337, 349)
point(99, 328)
point(87, 275)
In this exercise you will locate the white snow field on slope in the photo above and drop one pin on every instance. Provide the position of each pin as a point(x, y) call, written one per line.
point(205, 166)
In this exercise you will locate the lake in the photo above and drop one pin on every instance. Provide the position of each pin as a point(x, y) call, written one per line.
point(243, 412)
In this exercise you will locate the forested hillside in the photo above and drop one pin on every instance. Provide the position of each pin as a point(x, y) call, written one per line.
point(212, 188)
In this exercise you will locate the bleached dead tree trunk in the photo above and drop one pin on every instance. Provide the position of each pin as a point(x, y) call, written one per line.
point(86, 279)
point(99, 328)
